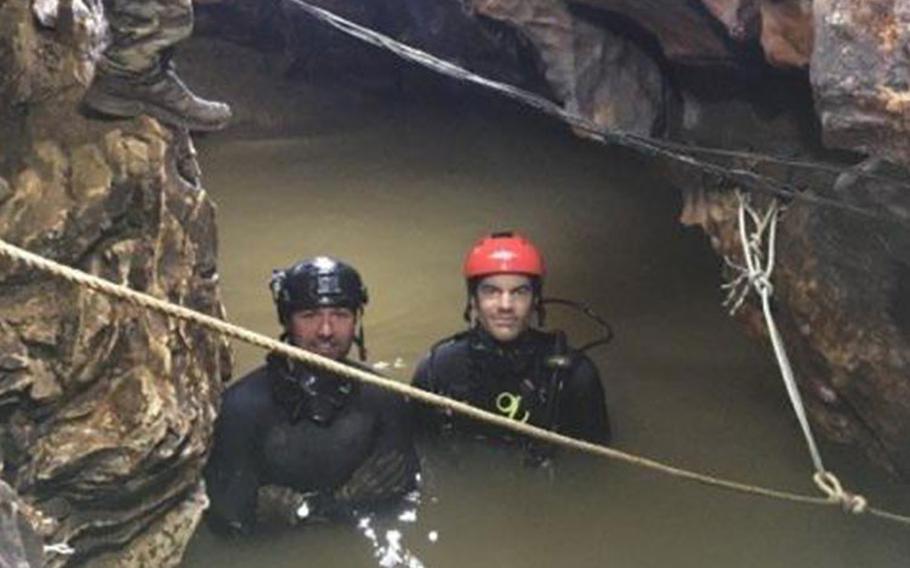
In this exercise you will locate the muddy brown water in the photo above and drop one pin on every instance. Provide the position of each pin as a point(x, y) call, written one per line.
point(401, 189)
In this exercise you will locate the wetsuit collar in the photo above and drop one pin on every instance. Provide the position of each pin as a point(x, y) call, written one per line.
point(522, 346)
point(304, 391)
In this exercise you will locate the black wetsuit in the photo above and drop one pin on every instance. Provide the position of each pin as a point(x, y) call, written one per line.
point(515, 380)
point(286, 425)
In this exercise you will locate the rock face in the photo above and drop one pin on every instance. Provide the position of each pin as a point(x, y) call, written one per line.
point(716, 32)
point(860, 75)
point(687, 31)
point(840, 293)
point(20, 545)
point(844, 280)
point(593, 72)
point(841, 281)
point(787, 32)
point(106, 410)
point(741, 18)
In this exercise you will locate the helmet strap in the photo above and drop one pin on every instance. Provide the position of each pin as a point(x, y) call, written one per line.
point(360, 339)
point(468, 305)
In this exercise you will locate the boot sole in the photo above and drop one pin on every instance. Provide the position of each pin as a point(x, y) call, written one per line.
point(120, 107)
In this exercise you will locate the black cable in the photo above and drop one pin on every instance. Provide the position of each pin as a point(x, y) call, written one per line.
point(817, 165)
point(607, 330)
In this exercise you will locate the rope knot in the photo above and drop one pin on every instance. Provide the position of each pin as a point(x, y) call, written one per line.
point(831, 486)
point(762, 283)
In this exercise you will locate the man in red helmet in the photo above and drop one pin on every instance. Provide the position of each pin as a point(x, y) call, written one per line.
point(504, 365)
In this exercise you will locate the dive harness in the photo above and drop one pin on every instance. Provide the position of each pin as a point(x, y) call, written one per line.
point(543, 374)
point(304, 393)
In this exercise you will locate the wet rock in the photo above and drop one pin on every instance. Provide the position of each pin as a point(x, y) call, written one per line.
point(847, 332)
point(163, 543)
point(91, 175)
point(787, 32)
point(106, 409)
point(4, 190)
point(20, 544)
point(741, 18)
point(859, 74)
point(687, 31)
point(593, 71)
point(770, 113)
point(185, 158)
point(307, 48)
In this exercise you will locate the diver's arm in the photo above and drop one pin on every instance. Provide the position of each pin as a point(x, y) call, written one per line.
point(427, 419)
point(232, 476)
point(582, 406)
point(422, 415)
point(398, 437)
point(276, 503)
point(391, 469)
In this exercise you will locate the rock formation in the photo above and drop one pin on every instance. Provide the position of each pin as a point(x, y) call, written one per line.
point(106, 410)
point(860, 77)
point(840, 289)
point(841, 279)
point(20, 545)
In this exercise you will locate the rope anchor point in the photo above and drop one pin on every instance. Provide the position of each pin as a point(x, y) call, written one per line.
point(832, 487)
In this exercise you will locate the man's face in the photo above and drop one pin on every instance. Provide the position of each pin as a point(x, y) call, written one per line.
point(503, 304)
point(325, 331)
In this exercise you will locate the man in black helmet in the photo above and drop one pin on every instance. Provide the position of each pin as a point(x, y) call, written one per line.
point(503, 364)
point(304, 440)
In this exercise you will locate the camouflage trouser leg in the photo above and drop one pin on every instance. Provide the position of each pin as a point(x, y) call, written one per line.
point(142, 31)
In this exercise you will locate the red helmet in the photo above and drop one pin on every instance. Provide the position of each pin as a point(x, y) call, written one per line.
point(500, 253)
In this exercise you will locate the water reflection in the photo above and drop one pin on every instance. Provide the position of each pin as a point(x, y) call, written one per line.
point(387, 539)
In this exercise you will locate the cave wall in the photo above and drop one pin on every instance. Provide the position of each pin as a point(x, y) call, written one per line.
point(106, 410)
point(860, 75)
point(840, 276)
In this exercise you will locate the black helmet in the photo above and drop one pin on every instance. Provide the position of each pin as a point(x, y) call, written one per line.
point(319, 282)
point(316, 283)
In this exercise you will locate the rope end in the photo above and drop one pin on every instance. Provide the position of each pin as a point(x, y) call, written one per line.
point(831, 486)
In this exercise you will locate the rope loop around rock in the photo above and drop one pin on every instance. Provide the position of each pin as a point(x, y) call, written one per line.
point(831, 486)
point(758, 249)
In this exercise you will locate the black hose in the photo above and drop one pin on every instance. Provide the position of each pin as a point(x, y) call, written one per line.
point(607, 336)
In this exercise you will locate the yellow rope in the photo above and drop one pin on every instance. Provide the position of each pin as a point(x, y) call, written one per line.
point(227, 329)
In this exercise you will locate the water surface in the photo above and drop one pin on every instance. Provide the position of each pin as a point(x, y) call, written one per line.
point(401, 190)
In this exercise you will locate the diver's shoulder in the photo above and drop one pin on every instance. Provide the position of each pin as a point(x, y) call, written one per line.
point(585, 377)
point(368, 391)
point(581, 360)
point(251, 390)
point(452, 346)
point(445, 357)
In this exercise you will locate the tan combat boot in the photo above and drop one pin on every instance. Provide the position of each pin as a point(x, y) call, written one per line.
point(161, 95)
